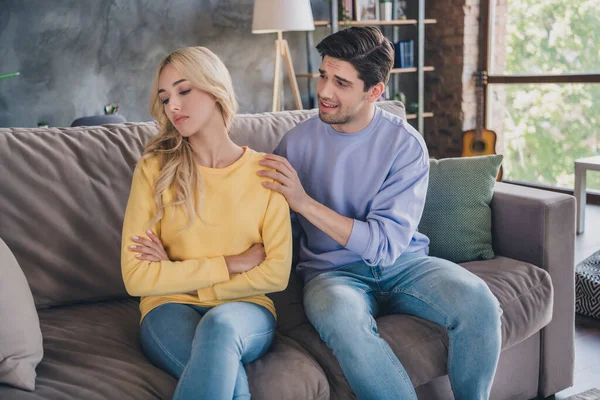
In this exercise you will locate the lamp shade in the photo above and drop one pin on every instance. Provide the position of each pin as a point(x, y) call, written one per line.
point(282, 15)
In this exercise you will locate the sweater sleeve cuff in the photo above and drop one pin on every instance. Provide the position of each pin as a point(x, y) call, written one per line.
point(219, 274)
point(359, 238)
point(207, 294)
point(220, 271)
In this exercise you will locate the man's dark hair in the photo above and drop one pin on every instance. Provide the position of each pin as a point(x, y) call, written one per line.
point(366, 48)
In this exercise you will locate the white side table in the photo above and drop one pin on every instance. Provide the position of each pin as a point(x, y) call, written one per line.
point(581, 167)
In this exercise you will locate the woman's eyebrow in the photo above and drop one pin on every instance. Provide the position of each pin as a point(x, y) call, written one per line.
point(174, 84)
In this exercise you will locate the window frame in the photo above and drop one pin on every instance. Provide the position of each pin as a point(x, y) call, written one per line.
point(485, 28)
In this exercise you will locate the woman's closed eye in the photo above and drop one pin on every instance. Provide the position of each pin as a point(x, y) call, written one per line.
point(182, 93)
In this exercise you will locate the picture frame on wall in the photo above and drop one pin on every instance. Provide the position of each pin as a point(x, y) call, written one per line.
point(366, 10)
point(347, 10)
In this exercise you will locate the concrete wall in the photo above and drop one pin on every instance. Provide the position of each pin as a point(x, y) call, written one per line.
point(77, 55)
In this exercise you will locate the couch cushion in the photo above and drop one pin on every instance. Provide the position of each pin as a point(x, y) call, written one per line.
point(63, 204)
point(20, 335)
point(263, 132)
point(64, 199)
point(525, 295)
point(92, 352)
point(457, 216)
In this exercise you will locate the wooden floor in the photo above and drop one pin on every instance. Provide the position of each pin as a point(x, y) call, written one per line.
point(587, 330)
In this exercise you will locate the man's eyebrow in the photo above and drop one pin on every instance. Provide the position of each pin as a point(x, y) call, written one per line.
point(174, 84)
point(343, 80)
point(337, 77)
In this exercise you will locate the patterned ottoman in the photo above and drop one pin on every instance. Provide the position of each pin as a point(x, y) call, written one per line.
point(587, 286)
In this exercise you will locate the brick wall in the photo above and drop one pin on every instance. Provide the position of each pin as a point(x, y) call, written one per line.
point(452, 47)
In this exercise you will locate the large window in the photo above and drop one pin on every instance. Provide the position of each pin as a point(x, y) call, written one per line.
point(543, 99)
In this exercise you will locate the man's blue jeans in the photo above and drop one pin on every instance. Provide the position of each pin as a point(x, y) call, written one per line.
point(343, 304)
point(205, 348)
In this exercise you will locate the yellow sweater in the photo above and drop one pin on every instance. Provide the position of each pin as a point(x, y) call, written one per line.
point(237, 212)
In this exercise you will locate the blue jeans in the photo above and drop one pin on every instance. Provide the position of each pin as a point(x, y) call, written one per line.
point(342, 305)
point(206, 348)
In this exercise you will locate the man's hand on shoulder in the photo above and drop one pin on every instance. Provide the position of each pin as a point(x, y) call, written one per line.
point(286, 181)
point(336, 226)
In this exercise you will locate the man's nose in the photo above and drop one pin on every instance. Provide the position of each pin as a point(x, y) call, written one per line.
point(325, 90)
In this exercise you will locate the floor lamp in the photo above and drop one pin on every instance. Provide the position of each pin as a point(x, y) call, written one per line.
point(278, 16)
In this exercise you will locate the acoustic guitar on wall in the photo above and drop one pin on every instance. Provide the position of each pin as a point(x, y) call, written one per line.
point(480, 141)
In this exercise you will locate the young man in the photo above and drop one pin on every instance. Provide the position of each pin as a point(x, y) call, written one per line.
point(356, 178)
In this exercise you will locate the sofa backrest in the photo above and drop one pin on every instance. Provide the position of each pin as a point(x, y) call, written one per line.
point(63, 193)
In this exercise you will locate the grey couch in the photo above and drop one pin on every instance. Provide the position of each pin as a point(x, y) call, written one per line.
point(62, 198)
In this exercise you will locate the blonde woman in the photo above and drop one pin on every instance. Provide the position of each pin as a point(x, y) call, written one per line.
point(203, 239)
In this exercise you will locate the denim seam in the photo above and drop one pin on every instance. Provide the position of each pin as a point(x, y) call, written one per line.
point(162, 347)
point(391, 357)
point(248, 338)
point(183, 376)
point(424, 300)
point(450, 355)
point(377, 277)
point(363, 292)
point(430, 304)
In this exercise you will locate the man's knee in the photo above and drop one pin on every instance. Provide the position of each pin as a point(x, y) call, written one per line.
point(482, 306)
point(337, 310)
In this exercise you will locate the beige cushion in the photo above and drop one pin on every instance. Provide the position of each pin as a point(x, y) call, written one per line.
point(525, 293)
point(20, 334)
point(93, 353)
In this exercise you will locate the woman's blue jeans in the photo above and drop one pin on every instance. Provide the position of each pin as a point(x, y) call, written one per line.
point(343, 304)
point(206, 348)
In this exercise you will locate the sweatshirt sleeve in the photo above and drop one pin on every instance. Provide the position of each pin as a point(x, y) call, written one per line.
point(394, 215)
point(146, 278)
point(281, 150)
point(272, 275)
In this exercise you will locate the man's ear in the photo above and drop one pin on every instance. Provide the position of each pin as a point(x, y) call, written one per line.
point(374, 93)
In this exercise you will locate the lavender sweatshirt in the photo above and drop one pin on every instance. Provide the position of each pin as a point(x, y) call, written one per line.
point(378, 177)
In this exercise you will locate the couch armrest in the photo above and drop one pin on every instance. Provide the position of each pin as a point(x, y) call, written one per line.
point(538, 227)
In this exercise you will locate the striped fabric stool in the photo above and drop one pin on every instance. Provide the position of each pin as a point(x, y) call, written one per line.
point(587, 286)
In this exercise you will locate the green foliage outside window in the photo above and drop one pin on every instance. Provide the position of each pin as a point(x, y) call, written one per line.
point(548, 126)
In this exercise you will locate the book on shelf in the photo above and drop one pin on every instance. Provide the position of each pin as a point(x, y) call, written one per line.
point(405, 54)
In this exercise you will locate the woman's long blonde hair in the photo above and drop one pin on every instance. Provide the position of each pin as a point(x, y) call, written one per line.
point(178, 171)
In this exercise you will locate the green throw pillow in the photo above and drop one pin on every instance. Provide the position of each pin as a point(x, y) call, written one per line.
point(457, 217)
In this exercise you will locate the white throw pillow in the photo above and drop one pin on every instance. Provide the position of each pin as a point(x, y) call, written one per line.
point(21, 348)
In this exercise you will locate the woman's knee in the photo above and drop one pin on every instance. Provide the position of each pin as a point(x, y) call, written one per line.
point(236, 321)
point(220, 322)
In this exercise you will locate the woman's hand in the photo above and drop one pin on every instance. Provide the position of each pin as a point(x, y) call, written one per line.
point(150, 249)
point(247, 260)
